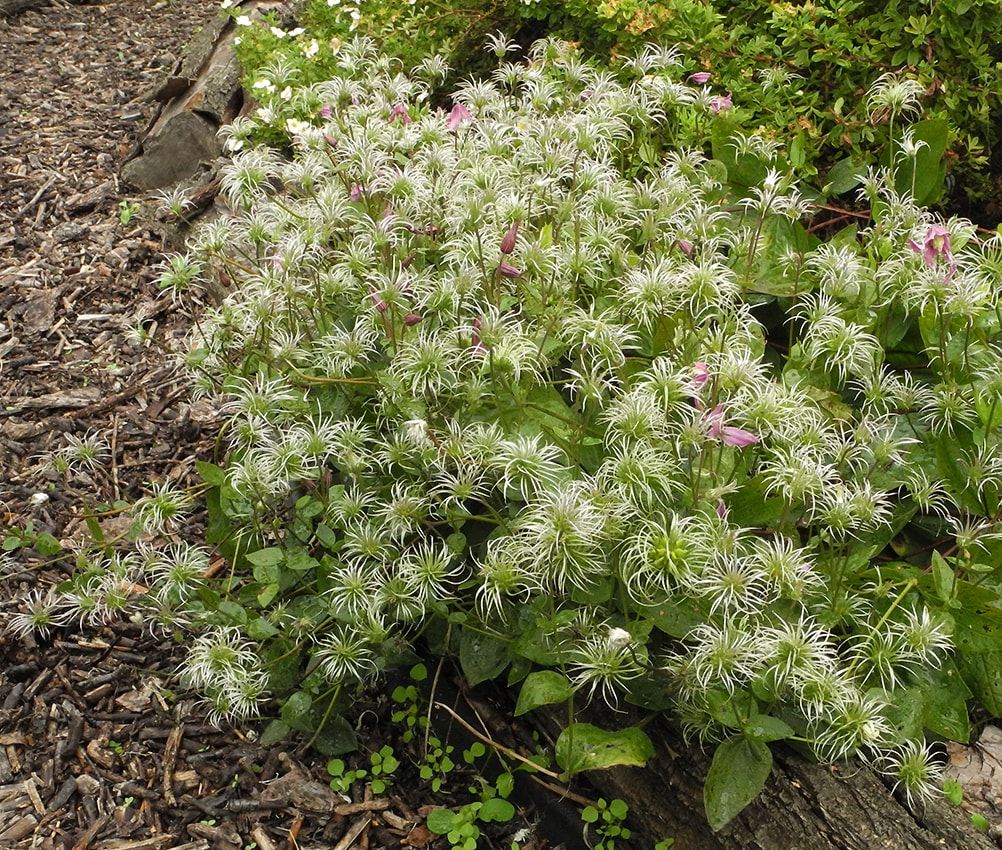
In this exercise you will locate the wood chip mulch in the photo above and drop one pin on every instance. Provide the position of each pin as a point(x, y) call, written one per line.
point(95, 754)
point(95, 751)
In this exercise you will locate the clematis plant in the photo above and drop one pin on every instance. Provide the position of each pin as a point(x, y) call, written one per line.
point(652, 445)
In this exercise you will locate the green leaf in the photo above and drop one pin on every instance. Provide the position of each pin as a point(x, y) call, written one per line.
point(545, 687)
point(268, 593)
point(945, 706)
point(211, 474)
point(844, 176)
point(582, 746)
point(904, 711)
point(982, 671)
point(441, 821)
point(296, 712)
point(46, 544)
point(765, 727)
point(481, 656)
point(496, 810)
point(927, 170)
point(731, 710)
point(326, 536)
point(336, 738)
point(676, 618)
point(300, 561)
point(738, 773)
point(944, 576)
point(275, 732)
point(269, 557)
point(267, 573)
point(233, 612)
point(261, 629)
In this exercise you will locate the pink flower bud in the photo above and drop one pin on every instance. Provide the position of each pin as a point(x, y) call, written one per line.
point(412, 319)
point(721, 104)
point(700, 374)
point(476, 345)
point(685, 246)
point(727, 434)
point(508, 271)
point(509, 239)
point(378, 302)
point(699, 77)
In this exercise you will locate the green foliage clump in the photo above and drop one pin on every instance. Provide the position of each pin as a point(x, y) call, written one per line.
point(518, 384)
point(821, 78)
point(492, 397)
point(800, 72)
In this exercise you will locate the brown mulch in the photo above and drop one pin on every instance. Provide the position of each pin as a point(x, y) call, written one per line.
point(95, 752)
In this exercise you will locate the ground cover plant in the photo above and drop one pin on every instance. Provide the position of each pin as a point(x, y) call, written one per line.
point(824, 79)
point(601, 425)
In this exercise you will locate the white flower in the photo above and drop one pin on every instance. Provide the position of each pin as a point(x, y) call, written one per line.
point(312, 49)
point(243, 21)
point(286, 93)
point(296, 32)
point(234, 144)
point(278, 32)
point(265, 115)
point(227, 3)
point(296, 127)
point(264, 84)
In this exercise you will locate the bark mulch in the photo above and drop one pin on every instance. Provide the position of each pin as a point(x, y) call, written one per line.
point(95, 750)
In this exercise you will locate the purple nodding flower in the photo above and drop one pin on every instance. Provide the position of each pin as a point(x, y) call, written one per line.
point(412, 319)
point(458, 115)
point(400, 111)
point(685, 246)
point(700, 374)
point(936, 244)
point(326, 110)
point(509, 271)
point(330, 140)
point(699, 77)
point(727, 434)
point(508, 240)
point(721, 104)
point(357, 192)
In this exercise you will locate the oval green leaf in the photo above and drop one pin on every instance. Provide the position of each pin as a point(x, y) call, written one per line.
point(582, 746)
point(739, 770)
point(545, 687)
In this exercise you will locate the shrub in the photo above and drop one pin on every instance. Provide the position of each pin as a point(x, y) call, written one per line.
point(820, 77)
point(508, 384)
